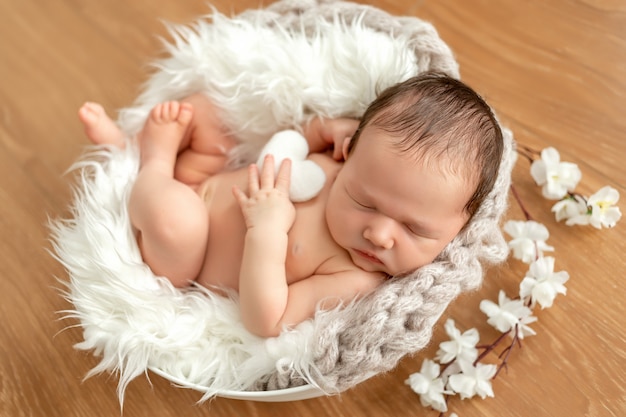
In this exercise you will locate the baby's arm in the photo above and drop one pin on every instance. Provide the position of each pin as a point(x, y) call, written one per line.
point(325, 292)
point(268, 214)
point(321, 134)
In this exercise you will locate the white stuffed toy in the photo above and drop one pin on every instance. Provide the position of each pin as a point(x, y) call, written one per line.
point(307, 178)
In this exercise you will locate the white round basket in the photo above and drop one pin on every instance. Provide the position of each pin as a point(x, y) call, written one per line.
point(327, 59)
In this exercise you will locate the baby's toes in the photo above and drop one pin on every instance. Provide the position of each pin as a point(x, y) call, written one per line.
point(171, 111)
point(185, 113)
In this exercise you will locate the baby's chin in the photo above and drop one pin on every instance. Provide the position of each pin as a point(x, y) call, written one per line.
point(408, 272)
point(369, 265)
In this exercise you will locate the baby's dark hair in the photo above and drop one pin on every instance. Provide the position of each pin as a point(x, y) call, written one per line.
point(434, 115)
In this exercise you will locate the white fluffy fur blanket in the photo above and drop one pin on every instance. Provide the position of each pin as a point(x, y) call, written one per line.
point(268, 70)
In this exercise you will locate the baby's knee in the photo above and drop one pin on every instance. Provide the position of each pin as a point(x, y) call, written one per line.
point(182, 228)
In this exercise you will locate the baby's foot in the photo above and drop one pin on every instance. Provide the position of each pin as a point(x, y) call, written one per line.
point(160, 137)
point(100, 129)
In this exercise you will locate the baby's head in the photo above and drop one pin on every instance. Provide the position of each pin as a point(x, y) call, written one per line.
point(425, 156)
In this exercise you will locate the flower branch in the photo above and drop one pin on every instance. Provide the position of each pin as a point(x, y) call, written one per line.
point(490, 347)
point(507, 352)
point(520, 203)
point(457, 367)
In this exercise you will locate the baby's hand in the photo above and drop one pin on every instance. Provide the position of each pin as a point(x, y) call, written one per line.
point(336, 132)
point(268, 205)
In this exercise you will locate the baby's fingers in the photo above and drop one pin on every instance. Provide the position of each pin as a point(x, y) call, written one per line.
point(240, 196)
point(283, 177)
point(267, 173)
point(253, 179)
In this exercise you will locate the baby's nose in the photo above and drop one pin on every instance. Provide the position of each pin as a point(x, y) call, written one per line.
point(380, 234)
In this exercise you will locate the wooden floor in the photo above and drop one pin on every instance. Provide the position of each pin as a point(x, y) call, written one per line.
point(554, 70)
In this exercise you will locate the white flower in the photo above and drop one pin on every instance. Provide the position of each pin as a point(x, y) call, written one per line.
point(450, 369)
point(570, 207)
point(474, 380)
point(508, 314)
point(542, 284)
point(556, 177)
point(421, 381)
point(528, 241)
point(429, 386)
point(581, 219)
point(461, 346)
point(603, 209)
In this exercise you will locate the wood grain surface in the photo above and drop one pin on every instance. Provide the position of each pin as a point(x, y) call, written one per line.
point(555, 71)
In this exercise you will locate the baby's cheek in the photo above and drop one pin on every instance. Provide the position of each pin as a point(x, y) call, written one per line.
point(418, 255)
point(350, 221)
point(342, 227)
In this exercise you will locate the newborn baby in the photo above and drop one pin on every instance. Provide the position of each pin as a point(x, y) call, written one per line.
point(399, 186)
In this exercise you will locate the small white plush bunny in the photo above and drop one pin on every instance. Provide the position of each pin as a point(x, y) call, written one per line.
point(307, 178)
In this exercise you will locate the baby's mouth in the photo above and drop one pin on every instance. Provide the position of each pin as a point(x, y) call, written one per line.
point(368, 256)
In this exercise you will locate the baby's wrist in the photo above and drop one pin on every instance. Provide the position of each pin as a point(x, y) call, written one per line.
point(264, 233)
point(271, 243)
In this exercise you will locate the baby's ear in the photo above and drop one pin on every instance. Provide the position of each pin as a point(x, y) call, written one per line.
point(345, 146)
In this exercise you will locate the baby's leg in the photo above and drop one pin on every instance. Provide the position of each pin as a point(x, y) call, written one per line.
point(204, 150)
point(171, 219)
point(99, 127)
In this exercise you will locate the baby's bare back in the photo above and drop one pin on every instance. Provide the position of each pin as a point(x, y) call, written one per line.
point(311, 249)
